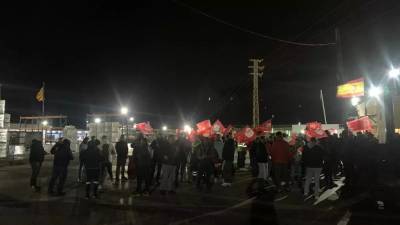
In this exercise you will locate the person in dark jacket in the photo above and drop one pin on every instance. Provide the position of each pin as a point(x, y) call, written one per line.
point(62, 156)
point(157, 159)
point(168, 151)
point(313, 159)
point(36, 158)
point(142, 159)
point(183, 149)
point(207, 155)
point(228, 153)
point(121, 148)
point(92, 160)
point(82, 148)
point(261, 156)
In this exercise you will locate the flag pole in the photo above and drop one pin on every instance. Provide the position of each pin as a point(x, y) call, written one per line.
point(44, 99)
point(323, 105)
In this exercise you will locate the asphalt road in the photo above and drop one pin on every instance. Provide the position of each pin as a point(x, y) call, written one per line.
point(20, 206)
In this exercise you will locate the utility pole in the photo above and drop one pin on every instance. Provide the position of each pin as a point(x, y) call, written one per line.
point(339, 58)
point(256, 73)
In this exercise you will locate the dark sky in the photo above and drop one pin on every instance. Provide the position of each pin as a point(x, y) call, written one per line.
point(164, 60)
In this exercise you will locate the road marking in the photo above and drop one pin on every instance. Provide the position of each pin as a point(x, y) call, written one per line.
point(345, 219)
point(281, 198)
point(246, 202)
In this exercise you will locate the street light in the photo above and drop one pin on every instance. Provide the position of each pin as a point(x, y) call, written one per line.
point(355, 101)
point(164, 128)
point(97, 120)
point(124, 110)
point(394, 73)
point(131, 119)
point(45, 123)
point(375, 92)
point(187, 128)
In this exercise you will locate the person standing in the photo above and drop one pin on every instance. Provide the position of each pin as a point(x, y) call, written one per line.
point(280, 155)
point(107, 152)
point(92, 160)
point(62, 156)
point(121, 148)
point(168, 150)
point(82, 148)
point(313, 158)
point(219, 147)
point(183, 149)
point(142, 159)
point(36, 157)
point(206, 156)
point(261, 157)
point(157, 158)
point(228, 153)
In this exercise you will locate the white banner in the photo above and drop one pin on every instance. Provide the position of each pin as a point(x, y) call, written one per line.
point(3, 135)
point(2, 106)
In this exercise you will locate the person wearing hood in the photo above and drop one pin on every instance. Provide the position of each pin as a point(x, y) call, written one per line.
point(107, 152)
point(142, 159)
point(313, 158)
point(62, 156)
point(82, 148)
point(92, 160)
point(228, 154)
point(121, 148)
point(36, 157)
point(168, 151)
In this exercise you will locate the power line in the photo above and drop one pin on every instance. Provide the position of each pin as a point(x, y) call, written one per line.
point(246, 30)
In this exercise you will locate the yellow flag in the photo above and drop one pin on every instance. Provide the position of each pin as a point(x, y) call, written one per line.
point(40, 95)
point(351, 89)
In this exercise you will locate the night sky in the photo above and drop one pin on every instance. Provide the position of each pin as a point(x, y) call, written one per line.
point(165, 61)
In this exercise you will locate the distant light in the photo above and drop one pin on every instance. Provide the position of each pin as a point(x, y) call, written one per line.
point(375, 91)
point(124, 110)
point(187, 128)
point(299, 123)
point(394, 73)
point(302, 131)
point(134, 126)
point(164, 128)
point(87, 121)
point(355, 101)
point(97, 120)
point(45, 123)
point(209, 98)
point(131, 119)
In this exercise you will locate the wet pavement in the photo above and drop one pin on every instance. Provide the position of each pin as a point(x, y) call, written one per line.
point(19, 205)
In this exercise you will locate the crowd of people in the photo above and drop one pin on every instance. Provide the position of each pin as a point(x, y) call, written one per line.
point(167, 161)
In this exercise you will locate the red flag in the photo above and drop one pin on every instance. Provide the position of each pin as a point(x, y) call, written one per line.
point(204, 128)
point(314, 129)
point(246, 135)
point(361, 124)
point(144, 128)
point(218, 128)
point(264, 127)
point(192, 136)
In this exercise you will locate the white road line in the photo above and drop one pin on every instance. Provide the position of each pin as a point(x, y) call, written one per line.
point(345, 219)
point(281, 198)
point(246, 202)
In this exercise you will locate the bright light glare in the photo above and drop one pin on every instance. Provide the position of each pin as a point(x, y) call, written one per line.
point(131, 119)
point(355, 101)
point(124, 110)
point(187, 128)
point(97, 120)
point(375, 91)
point(45, 122)
point(164, 128)
point(394, 73)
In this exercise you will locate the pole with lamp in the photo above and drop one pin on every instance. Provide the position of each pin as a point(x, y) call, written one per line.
point(97, 121)
point(124, 113)
point(393, 93)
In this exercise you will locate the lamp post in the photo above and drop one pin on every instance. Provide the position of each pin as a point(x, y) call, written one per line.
point(97, 121)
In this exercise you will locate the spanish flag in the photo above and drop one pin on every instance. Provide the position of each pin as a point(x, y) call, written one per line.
point(40, 95)
point(353, 88)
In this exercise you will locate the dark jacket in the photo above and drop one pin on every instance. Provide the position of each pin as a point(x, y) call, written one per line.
point(37, 152)
point(313, 157)
point(121, 147)
point(92, 158)
point(260, 152)
point(62, 154)
point(168, 153)
point(141, 154)
point(228, 152)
